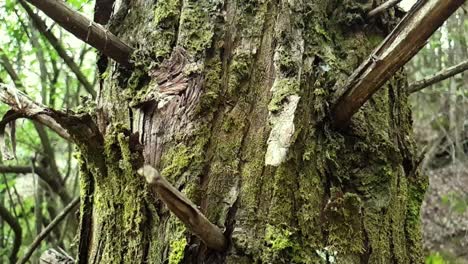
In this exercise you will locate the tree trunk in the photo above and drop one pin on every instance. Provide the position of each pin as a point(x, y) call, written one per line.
point(225, 101)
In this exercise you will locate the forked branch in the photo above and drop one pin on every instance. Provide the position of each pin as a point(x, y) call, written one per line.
point(408, 37)
point(85, 29)
point(184, 209)
point(438, 77)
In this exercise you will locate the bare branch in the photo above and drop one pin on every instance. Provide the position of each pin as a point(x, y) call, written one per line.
point(86, 30)
point(438, 77)
point(21, 103)
point(184, 209)
point(15, 226)
point(42, 28)
point(408, 37)
point(48, 229)
point(383, 7)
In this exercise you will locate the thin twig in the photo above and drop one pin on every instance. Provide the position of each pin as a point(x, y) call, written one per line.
point(381, 8)
point(48, 229)
point(438, 77)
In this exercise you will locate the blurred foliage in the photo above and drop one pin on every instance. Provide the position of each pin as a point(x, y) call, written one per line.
point(48, 80)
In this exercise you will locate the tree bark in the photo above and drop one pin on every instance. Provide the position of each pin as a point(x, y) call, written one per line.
point(227, 101)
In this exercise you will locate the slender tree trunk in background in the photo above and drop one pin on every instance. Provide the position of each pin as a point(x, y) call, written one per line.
point(224, 101)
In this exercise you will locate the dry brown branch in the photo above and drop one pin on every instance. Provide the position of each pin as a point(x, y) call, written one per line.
point(184, 209)
point(85, 29)
point(408, 37)
point(438, 77)
point(21, 103)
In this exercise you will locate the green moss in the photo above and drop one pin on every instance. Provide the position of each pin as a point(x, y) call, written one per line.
point(166, 23)
point(283, 246)
point(167, 13)
point(179, 159)
point(278, 238)
point(177, 251)
point(238, 72)
point(196, 26)
point(211, 86)
point(343, 214)
point(281, 90)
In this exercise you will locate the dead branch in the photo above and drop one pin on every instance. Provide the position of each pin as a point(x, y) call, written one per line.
point(48, 229)
point(408, 37)
point(438, 77)
point(184, 209)
point(15, 226)
point(42, 28)
point(85, 29)
point(381, 8)
point(21, 103)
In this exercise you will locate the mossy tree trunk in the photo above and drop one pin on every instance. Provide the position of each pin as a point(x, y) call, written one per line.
point(230, 101)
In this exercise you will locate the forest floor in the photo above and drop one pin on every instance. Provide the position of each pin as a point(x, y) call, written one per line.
point(445, 213)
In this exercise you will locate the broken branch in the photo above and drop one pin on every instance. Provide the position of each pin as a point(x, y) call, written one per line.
point(86, 30)
point(48, 229)
point(381, 8)
point(21, 103)
point(184, 209)
point(408, 37)
point(438, 77)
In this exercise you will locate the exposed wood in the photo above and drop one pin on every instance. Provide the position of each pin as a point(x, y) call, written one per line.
point(15, 226)
point(42, 28)
point(399, 47)
point(21, 103)
point(438, 77)
point(48, 229)
point(86, 30)
point(383, 7)
point(184, 209)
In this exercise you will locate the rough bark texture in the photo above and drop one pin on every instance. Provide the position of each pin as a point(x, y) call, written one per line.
point(224, 101)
